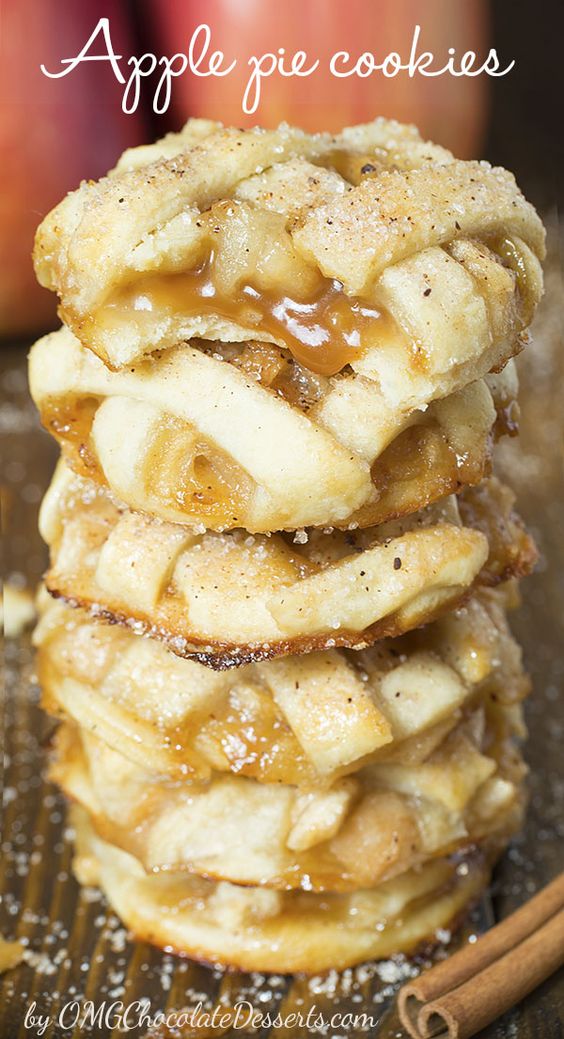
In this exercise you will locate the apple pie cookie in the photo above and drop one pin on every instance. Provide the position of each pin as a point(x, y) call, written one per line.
point(388, 817)
point(260, 929)
point(372, 249)
point(237, 435)
point(304, 721)
point(232, 598)
point(273, 630)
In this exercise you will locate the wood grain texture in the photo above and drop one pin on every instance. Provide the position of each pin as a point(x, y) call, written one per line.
point(77, 948)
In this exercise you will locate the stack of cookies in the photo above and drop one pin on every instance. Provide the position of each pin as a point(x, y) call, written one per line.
point(276, 631)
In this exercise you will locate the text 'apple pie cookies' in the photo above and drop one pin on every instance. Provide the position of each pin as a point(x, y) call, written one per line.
point(273, 628)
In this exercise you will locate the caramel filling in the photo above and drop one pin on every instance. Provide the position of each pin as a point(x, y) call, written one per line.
point(249, 273)
point(324, 333)
point(322, 327)
point(70, 420)
point(253, 742)
point(513, 257)
point(417, 468)
point(201, 481)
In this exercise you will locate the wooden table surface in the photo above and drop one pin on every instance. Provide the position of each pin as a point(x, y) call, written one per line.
point(77, 948)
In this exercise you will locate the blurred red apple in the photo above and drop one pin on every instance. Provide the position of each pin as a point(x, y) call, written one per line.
point(53, 133)
point(448, 110)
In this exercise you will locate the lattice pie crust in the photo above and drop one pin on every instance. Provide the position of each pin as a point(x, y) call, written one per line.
point(236, 436)
point(265, 930)
point(227, 599)
point(303, 721)
point(325, 245)
point(360, 831)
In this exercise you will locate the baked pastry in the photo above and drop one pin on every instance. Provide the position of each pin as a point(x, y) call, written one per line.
point(303, 721)
point(234, 435)
point(364, 829)
point(327, 246)
point(284, 931)
point(374, 276)
point(284, 361)
point(228, 599)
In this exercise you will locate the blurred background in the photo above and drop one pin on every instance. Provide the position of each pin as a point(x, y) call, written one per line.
point(53, 133)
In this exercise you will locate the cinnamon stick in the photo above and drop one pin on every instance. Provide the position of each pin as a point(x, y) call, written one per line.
point(460, 996)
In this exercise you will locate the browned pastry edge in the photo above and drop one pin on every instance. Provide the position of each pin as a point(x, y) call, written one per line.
point(479, 856)
point(422, 951)
point(513, 554)
point(222, 656)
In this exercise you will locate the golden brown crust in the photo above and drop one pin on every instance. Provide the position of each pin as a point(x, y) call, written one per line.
point(360, 831)
point(301, 720)
point(256, 443)
point(513, 552)
point(276, 216)
point(276, 466)
point(251, 929)
point(224, 655)
point(268, 597)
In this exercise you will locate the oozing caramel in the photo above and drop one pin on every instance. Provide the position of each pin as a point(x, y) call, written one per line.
point(324, 333)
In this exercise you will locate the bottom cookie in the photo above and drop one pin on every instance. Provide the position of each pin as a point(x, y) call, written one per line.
point(257, 929)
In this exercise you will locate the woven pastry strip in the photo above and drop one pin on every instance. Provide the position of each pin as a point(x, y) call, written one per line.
point(227, 441)
point(229, 599)
point(362, 830)
point(303, 721)
point(262, 929)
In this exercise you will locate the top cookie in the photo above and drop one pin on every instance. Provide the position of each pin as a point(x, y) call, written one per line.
point(371, 250)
